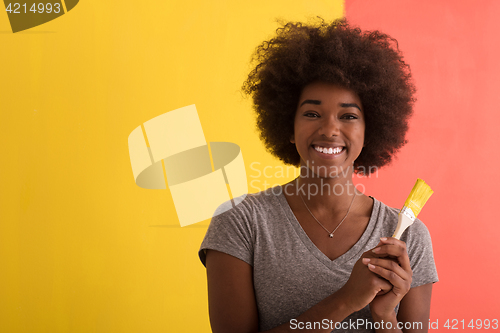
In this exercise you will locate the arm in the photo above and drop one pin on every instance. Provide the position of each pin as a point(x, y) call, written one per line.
point(393, 264)
point(231, 298)
point(415, 308)
point(233, 308)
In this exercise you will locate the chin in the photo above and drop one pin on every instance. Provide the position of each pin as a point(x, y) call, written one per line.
point(327, 172)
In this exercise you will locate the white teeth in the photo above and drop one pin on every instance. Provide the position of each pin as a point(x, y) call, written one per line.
point(329, 151)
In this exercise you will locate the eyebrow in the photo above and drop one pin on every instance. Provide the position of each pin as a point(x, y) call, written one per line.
point(318, 102)
point(311, 101)
point(350, 105)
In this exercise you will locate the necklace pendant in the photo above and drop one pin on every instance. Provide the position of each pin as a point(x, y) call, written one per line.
point(341, 221)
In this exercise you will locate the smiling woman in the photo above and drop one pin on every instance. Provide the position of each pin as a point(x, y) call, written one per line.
point(329, 128)
point(369, 63)
point(334, 101)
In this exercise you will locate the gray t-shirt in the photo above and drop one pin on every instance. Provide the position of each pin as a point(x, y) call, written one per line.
point(290, 273)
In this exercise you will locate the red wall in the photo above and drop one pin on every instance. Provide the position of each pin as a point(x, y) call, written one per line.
point(453, 48)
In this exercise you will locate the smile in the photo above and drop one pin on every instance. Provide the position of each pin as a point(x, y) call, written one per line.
point(329, 151)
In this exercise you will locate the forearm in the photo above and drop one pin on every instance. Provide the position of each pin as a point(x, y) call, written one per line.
point(386, 324)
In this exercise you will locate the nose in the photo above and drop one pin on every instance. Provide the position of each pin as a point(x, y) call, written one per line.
point(330, 126)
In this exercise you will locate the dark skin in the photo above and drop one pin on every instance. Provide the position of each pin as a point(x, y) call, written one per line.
point(329, 117)
point(233, 308)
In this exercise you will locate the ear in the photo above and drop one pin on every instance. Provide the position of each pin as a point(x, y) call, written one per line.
point(292, 139)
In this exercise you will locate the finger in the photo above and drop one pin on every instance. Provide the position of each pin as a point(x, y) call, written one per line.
point(388, 251)
point(369, 253)
point(392, 240)
point(394, 253)
point(394, 248)
point(401, 286)
point(380, 243)
point(383, 285)
point(390, 266)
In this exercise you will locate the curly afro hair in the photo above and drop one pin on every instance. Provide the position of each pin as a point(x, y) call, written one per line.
point(367, 62)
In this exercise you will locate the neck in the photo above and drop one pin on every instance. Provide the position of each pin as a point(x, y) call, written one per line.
point(332, 193)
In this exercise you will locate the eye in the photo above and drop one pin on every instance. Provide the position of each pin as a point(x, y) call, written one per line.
point(311, 114)
point(350, 116)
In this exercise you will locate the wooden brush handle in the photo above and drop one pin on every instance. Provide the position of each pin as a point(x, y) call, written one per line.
point(403, 223)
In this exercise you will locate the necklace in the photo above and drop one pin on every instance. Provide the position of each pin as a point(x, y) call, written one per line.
point(314, 217)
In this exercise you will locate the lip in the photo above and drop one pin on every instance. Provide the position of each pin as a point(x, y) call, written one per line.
point(328, 145)
point(328, 156)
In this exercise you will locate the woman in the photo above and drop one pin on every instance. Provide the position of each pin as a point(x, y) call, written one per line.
point(314, 254)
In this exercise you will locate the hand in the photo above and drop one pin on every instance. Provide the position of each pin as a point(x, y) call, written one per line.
point(363, 285)
point(390, 261)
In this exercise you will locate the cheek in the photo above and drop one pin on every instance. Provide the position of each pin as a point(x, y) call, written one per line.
point(359, 136)
point(301, 132)
point(357, 131)
point(362, 130)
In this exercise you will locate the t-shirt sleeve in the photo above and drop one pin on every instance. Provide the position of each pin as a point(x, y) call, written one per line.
point(230, 232)
point(419, 246)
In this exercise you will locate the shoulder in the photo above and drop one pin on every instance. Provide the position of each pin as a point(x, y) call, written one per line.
point(418, 244)
point(241, 214)
point(236, 223)
point(248, 205)
point(386, 217)
point(389, 217)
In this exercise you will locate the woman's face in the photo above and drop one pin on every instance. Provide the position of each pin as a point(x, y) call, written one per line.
point(329, 129)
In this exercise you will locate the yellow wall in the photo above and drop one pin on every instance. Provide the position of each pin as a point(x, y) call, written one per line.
point(82, 247)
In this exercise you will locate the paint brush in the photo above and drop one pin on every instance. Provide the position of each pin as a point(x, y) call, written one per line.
point(419, 195)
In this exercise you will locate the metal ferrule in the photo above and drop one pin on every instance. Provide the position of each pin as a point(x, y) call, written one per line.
point(409, 213)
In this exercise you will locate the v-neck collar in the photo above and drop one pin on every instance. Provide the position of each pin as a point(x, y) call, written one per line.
point(353, 252)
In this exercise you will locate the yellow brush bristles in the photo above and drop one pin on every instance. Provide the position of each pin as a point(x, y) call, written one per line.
point(419, 195)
